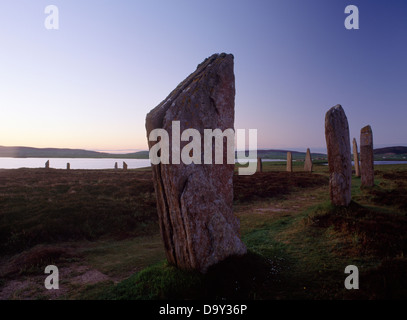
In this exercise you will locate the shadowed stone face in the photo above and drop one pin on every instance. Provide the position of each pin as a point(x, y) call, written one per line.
point(366, 157)
point(289, 162)
point(194, 202)
point(339, 158)
point(308, 161)
point(356, 158)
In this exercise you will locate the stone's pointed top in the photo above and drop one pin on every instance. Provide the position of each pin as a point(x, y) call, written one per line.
point(354, 140)
point(334, 110)
point(366, 129)
point(201, 82)
point(214, 57)
point(366, 136)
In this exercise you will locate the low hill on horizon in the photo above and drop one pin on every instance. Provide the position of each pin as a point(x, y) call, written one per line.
point(28, 152)
point(391, 150)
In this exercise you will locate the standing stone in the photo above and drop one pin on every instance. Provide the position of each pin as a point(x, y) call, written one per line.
point(116, 166)
point(195, 201)
point(47, 165)
point(356, 158)
point(366, 157)
point(308, 161)
point(124, 166)
point(68, 166)
point(339, 156)
point(289, 162)
point(259, 165)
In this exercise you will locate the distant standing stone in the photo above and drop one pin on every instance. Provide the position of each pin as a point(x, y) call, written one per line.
point(116, 166)
point(366, 157)
point(356, 158)
point(68, 166)
point(124, 166)
point(308, 161)
point(339, 156)
point(47, 165)
point(195, 201)
point(289, 162)
point(259, 165)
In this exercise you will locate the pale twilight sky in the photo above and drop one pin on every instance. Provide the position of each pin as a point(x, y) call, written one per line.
point(91, 83)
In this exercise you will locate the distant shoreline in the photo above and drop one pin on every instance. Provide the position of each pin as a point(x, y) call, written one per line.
point(398, 153)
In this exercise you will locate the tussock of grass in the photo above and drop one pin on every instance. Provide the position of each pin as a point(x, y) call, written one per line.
point(378, 232)
point(393, 194)
point(242, 277)
point(34, 261)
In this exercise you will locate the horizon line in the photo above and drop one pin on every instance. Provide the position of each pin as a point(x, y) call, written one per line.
point(126, 151)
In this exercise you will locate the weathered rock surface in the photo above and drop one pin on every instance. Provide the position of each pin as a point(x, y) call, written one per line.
point(308, 161)
point(289, 162)
point(124, 166)
point(259, 165)
point(356, 158)
point(47, 164)
point(194, 201)
point(339, 156)
point(366, 157)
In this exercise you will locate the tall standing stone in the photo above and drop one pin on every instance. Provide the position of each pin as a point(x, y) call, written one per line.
point(289, 162)
point(194, 201)
point(124, 166)
point(68, 166)
point(308, 161)
point(366, 157)
point(339, 156)
point(356, 158)
point(259, 165)
point(116, 166)
point(47, 165)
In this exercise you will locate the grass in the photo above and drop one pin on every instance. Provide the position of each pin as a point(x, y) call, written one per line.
point(104, 223)
point(39, 206)
point(115, 258)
